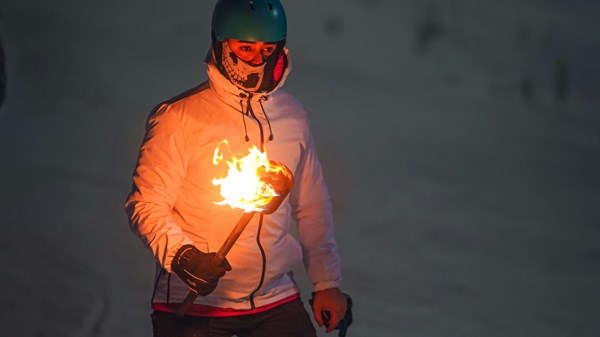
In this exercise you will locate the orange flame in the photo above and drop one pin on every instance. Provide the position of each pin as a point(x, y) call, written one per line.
point(246, 185)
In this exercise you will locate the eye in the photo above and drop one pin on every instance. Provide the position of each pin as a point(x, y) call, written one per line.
point(246, 48)
point(268, 50)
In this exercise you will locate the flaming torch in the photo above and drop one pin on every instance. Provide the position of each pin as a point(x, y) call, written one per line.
point(254, 184)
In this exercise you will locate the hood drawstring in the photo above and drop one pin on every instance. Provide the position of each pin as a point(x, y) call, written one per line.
point(247, 111)
point(244, 113)
point(260, 100)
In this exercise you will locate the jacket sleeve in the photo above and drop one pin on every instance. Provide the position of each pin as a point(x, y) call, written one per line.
point(157, 178)
point(311, 208)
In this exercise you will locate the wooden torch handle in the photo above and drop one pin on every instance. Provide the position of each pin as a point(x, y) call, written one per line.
point(219, 258)
point(183, 308)
point(233, 236)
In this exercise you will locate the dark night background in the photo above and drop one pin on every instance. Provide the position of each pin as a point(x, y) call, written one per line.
point(460, 140)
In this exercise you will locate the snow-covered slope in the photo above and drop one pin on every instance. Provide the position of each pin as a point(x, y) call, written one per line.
point(460, 140)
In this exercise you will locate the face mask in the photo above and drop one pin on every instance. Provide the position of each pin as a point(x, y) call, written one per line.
point(251, 78)
point(244, 75)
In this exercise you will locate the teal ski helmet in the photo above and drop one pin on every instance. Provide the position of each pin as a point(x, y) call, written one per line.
point(249, 20)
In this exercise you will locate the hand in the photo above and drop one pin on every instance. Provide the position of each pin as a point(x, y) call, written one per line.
point(200, 271)
point(332, 303)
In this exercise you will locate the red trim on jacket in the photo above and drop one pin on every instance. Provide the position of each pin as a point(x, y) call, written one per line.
point(210, 311)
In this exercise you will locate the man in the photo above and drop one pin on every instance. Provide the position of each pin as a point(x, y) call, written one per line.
point(172, 205)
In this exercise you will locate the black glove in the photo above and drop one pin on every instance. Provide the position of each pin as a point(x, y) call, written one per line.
point(344, 323)
point(200, 271)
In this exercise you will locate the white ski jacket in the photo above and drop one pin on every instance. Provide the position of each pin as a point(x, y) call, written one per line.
point(172, 202)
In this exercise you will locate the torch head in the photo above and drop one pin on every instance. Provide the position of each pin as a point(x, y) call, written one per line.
point(282, 182)
point(253, 182)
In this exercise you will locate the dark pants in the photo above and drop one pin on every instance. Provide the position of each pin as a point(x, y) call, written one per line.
point(287, 320)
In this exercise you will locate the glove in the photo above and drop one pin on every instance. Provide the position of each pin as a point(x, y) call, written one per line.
point(200, 271)
point(344, 323)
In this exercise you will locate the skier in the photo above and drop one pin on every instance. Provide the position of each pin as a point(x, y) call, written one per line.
point(172, 204)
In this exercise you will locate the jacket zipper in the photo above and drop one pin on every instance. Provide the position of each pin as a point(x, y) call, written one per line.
point(260, 247)
point(160, 275)
point(264, 262)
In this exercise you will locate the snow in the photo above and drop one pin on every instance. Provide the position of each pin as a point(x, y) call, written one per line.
point(466, 189)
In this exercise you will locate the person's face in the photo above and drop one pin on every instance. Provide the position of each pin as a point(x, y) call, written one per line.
point(254, 53)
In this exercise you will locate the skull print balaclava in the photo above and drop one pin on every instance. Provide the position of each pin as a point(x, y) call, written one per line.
point(244, 75)
point(251, 78)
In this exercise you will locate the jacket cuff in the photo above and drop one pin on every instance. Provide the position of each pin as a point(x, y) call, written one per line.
point(326, 285)
point(171, 255)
